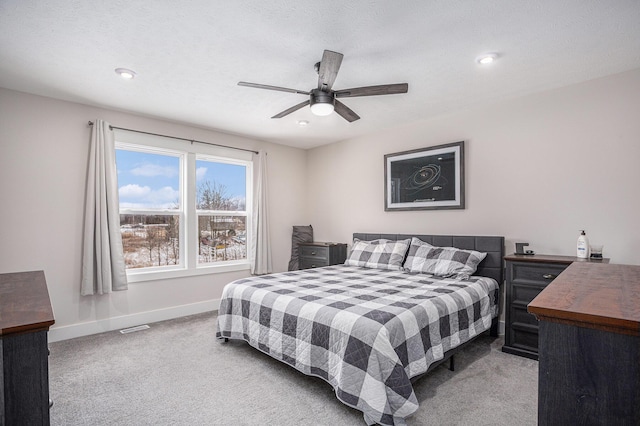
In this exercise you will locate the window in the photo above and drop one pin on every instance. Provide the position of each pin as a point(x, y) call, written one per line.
point(182, 212)
point(221, 203)
point(149, 183)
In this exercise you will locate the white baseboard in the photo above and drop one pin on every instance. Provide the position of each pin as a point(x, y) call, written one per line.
point(57, 334)
point(125, 321)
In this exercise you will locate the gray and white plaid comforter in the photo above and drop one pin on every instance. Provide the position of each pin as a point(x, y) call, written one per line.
point(365, 331)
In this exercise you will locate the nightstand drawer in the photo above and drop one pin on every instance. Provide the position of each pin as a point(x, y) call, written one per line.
point(315, 252)
point(538, 273)
point(519, 316)
point(314, 255)
point(525, 339)
point(524, 293)
point(310, 263)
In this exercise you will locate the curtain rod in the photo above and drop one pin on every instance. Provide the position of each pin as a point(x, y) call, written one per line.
point(175, 137)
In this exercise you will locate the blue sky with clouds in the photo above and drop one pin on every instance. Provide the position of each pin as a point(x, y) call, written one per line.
point(147, 180)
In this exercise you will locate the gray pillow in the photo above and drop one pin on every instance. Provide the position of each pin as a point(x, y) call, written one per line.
point(448, 262)
point(378, 254)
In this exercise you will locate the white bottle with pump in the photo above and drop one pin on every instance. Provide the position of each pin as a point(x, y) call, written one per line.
point(583, 246)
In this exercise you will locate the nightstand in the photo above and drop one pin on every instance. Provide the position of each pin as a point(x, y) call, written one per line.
point(314, 255)
point(526, 277)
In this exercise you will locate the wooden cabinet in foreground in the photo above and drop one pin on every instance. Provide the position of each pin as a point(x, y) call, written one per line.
point(25, 318)
point(589, 347)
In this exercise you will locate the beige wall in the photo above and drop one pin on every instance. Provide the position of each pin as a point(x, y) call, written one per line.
point(44, 147)
point(538, 169)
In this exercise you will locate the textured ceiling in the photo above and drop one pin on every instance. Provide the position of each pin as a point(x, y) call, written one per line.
point(189, 56)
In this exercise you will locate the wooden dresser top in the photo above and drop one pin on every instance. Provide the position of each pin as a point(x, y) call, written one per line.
point(599, 296)
point(548, 258)
point(24, 303)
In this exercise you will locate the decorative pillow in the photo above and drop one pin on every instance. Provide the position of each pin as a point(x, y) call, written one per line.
point(379, 254)
point(449, 262)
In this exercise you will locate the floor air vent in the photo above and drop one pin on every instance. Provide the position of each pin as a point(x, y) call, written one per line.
point(132, 329)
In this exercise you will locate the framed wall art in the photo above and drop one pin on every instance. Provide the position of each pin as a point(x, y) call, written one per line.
point(425, 179)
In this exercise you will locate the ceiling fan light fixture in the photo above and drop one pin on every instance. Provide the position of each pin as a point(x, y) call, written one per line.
point(322, 103)
point(322, 109)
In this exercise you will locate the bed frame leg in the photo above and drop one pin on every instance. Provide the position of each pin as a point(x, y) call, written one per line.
point(452, 365)
point(493, 332)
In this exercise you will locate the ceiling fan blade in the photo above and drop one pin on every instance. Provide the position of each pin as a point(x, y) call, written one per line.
point(292, 109)
point(384, 89)
point(277, 88)
point(346, 112)
point(329, 66)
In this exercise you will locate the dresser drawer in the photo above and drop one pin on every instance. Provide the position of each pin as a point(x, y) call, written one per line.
point(522, 294)
point(534, 273)
point(314, 252)
point(525, 339)
point(519, 315)
point(310, 262)
point(314, 255)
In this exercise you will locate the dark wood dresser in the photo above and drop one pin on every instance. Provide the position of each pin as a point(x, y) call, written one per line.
point(589, 370)
point(314, 255)
point(526, 277)
point(25, 318)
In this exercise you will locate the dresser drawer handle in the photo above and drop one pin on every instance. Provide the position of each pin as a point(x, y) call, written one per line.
point(548, 276)
point(313, 266)
point(313, 253)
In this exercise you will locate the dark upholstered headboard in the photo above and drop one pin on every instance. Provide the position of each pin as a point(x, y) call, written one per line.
point(490, 267)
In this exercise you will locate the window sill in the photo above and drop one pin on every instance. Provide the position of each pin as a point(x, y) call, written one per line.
point(139, 276)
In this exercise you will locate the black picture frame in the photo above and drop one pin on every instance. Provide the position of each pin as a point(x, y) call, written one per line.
point(425, 179)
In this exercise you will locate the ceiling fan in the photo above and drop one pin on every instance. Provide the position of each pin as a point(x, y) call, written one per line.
point(323, 100)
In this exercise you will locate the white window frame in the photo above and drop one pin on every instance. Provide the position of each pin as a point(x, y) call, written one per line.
point(188, 214)
point(180, 212)
point(245, 214)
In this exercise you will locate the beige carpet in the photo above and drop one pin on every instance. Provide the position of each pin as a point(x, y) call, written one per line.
point(177, 373)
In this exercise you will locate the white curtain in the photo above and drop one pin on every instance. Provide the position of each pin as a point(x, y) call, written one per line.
point(261, 262)
point(102, 259)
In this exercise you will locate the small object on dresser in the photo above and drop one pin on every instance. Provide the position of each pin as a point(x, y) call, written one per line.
point(520, 249)
point(583, 245)
point(596, 251)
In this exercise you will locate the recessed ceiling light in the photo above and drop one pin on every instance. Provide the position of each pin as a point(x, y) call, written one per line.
point(303, 123)
point(125, 73)
point(487, 58)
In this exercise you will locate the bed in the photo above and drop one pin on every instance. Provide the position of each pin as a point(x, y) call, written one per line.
point(370, 327)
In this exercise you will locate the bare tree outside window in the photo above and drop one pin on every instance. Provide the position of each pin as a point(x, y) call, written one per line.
point(150, 240)
point(221, 237)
